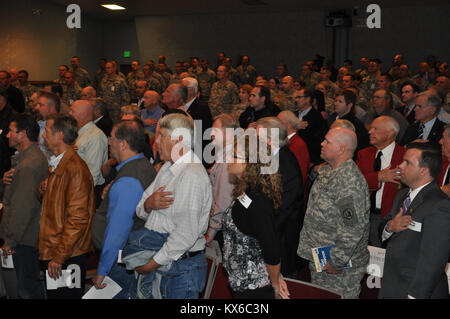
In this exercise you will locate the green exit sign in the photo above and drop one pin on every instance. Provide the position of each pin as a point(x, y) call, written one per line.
point(126, 54)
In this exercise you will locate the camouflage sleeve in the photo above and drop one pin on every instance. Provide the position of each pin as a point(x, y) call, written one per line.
point(351, 222)
point(234, 95)
point(125, 95)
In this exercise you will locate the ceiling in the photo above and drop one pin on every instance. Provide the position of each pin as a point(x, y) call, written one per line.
point(176, 7)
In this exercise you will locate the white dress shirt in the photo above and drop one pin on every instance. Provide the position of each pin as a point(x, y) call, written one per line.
point(186, 220)
point(427, 128)
point(386, 158)
point(303, 113)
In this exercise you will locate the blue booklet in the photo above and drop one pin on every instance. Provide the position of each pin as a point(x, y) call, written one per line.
point(321, 256)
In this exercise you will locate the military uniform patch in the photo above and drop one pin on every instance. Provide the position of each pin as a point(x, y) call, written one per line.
point(348, 212)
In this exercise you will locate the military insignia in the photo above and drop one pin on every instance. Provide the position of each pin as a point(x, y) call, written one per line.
point(348, 212)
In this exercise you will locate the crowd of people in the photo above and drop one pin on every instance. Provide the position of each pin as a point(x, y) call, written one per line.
point(154, 165)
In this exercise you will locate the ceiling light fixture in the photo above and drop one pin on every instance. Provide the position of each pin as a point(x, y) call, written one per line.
point(112, 7)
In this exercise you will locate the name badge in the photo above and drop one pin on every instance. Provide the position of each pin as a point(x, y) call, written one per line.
point(416, 226)
point(245, 200)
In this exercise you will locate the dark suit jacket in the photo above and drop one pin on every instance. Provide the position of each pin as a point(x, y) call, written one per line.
point(435, 135)
point(313, 135)
point(415, 261)
point(16, 99)
point(291, 214)
point(360, 129)
point(250, 115)
point(365, 160)
point(200, 111)
point(105, 124)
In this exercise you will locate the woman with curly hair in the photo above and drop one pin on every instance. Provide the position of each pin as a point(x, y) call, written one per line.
point(251, 251)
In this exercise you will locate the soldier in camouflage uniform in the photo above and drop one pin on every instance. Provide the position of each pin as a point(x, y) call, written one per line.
point(246, 73)
point(232, 72)
point(26, 88)
point(158, 76)
point(195, 69)
point(114, 91)
point(62, 69)
point(369, 83)
point(288, 91)
point(224, 94)
point(309, 77)
point(166, 76)
point(72, 90)
point(206, 79)
point(338, 214)
point(81, 75)
point(100, 73)
point(133, 77)
point(152, 82)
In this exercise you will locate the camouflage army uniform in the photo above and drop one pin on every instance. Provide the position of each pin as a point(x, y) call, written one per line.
point(247, 75)
point(114, 92)
point(196, 71)
point(27, 90)
point(167, 77)
point(153, 84)
point(161, 80)
point(82, 77)
point(98, 76)
point(223, 97)
point(338, 214)
point(311, 81)
point(71, 93)
point(369, 86)
point(132, 80)
point(232, 76)
point(206, 80)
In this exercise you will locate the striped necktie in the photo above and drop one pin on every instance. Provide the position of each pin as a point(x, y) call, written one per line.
point(406, 204)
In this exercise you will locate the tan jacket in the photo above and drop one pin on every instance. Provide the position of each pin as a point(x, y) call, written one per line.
point(68, 209)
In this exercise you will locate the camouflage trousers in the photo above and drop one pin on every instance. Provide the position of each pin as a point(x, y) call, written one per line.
point(347, 283)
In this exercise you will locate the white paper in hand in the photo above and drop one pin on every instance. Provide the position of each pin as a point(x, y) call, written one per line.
point(7, 261)
point(111, 289)
point(63, 281)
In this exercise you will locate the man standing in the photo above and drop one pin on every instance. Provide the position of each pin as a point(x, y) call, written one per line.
point(206, 78)
point(314, 132)
point(246, 73)
point(68, 207)
point(379, 165)
point(338, 215)
point(224, 93)
point(152, 82)
point(134, 77)
point(287, 86)
point(417, 230)
point(6, 116)
point(409, 93)
point(100, 73)
point(101, 116)
point(81, 75)
point(26, 88)
point(444, 177)
point(427, 126)
point(260, 106)
point(114, 91)
point(152, 110)
point(14, 96)
point(344, 104)
point(178, 202)
point(91, 144)
point(72, 90)
point(114, 219)
point(21, 207)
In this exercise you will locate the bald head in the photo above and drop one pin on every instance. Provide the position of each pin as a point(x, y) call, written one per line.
point(88, 93)
point(151, 99)
point(287, 83)
point(82, 111)
point(339, 146)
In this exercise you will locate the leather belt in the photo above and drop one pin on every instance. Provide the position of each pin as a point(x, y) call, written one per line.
point(190, 254)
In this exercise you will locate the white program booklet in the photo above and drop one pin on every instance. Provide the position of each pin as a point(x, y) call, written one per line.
point(111, 289)
point(7, 261)
point(63, 281)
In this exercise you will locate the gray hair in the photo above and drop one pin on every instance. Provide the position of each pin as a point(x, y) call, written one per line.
point(272, 122)
point(190, 83)
point(343, 123)
point(392, 123)
point(432, 100)
point(179, 125)
point(290, 117)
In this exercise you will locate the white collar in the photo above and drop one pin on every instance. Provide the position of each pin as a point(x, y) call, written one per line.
point(413, 192)
point(54, 160)
point(188, 104)
point(291, 135)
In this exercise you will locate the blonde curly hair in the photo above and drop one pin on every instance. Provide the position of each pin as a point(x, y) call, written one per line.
point(252, 179)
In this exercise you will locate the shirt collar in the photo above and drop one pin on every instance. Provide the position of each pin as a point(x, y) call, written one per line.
point(140, 155)
point(428, 125)
point(96, 121)
point(303, 113)
point(388, 150)
point(188, 104)
point(180, 163)
point(53, 162)
point(291, 135)
point(413, 192)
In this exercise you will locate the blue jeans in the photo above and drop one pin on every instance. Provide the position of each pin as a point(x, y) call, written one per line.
point(186, 279)
point(125, 279)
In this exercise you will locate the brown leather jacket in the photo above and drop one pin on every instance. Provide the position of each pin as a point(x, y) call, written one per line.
point(68, 209)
